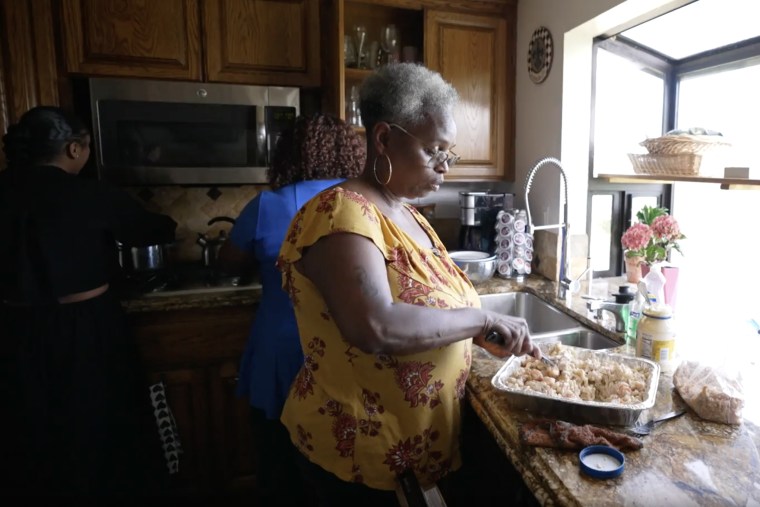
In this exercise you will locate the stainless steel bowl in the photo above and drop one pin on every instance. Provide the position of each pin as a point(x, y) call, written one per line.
point(478, 266)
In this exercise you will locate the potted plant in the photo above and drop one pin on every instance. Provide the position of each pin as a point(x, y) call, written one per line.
point(650, 241)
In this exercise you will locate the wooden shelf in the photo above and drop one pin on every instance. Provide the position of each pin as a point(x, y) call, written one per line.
point(725, 183)
point(355, 74)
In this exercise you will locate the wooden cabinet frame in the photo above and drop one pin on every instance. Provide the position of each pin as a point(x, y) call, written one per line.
point(473, 52)
point(472, 44)
point(272, 42)
point(196, 353)
point(160, 40)
point(263, 42)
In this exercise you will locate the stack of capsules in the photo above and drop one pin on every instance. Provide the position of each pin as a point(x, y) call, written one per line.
point(514, 245)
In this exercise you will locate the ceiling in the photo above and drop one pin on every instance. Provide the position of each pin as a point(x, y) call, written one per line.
point(700, 26)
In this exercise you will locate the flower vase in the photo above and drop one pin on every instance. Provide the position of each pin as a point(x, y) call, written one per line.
point(633, 269)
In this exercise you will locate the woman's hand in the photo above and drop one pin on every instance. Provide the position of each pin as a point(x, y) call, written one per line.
point(505, 335)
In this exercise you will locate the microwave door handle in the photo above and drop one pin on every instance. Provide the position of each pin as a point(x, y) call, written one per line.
point(262, 139)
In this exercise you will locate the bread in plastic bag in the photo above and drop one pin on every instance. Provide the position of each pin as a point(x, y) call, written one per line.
point(714, 393)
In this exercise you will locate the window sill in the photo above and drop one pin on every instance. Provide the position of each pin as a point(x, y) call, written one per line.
point(725, 183)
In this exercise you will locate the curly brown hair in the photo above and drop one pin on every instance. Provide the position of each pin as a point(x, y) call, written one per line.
point(319, 147)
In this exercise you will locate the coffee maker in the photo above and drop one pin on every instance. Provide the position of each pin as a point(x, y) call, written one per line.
point(477, 213)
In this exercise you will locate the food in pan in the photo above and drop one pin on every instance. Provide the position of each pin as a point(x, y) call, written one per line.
point(592, 378)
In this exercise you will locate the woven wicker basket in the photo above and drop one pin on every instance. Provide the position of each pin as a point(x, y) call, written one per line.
point(685, 143)
point(681, 164)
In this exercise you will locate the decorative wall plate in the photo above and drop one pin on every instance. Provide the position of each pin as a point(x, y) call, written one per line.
point(540, 55)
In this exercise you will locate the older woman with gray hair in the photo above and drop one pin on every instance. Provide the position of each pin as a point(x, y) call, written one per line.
point(386, 319)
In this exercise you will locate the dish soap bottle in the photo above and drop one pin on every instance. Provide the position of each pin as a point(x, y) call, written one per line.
point(655, 282)
point(624, 296)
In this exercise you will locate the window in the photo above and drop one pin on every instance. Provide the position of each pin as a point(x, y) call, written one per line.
point(612, 209)
point(628, 108)
point(630, 98)
point(648, 81)
point(726, 100)
point(603, 210)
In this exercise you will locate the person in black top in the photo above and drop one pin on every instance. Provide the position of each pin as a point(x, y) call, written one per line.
point(76, 416)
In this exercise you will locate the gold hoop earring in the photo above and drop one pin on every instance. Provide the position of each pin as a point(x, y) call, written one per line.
point(390, 170)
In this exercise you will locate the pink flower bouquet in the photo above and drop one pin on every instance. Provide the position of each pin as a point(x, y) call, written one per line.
point(653, 237)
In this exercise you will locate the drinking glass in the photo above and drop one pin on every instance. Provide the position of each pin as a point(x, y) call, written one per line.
point(349, 51)
point(353, 113)
point(389, 41)
point(360, 37)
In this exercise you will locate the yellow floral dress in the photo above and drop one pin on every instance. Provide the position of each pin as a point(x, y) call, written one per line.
point(367, 417)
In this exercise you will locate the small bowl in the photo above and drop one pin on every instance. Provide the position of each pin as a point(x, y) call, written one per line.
point(478, 266)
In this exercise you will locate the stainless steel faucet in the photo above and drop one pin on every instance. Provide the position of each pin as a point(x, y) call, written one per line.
point(564, 263)
point(616, 309)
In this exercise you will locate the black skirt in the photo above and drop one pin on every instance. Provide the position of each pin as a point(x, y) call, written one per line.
point(77, 418)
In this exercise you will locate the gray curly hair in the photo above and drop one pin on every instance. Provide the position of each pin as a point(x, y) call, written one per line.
point(404, 93)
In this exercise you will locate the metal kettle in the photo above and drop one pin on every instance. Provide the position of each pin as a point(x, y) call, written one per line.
point(210, 246)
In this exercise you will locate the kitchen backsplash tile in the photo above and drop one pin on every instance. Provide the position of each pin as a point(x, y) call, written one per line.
point(192, 208)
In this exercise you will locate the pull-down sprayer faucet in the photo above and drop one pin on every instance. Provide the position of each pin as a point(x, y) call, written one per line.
point(564, 263)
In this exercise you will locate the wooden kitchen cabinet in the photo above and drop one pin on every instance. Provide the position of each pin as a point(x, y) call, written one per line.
point(196, 353)
point(272, 42)
point(268, 42)
point(475, 53)
point(472, 44)
point(28, 65)
point(132, 38)
point(187, 394)
point(234, 446)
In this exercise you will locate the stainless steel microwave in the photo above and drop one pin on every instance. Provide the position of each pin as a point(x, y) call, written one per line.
point(149, 132)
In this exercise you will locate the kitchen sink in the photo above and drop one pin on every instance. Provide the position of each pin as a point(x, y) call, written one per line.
point(546, 323)
point(584, 338)
point(542, 317)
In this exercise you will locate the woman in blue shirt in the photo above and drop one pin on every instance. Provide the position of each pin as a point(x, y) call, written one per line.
point(319, 152)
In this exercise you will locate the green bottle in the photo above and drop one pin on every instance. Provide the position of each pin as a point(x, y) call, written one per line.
point(636, 307)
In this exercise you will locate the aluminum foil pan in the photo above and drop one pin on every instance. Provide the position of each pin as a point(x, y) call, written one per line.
point(592, 412)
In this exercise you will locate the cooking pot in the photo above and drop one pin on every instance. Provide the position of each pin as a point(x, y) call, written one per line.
point(135, 259)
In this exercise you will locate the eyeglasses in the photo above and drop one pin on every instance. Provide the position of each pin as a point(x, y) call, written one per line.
point(437, 157)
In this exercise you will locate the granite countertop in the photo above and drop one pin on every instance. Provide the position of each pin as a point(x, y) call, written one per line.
point(685, 461)
point(193, 299)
